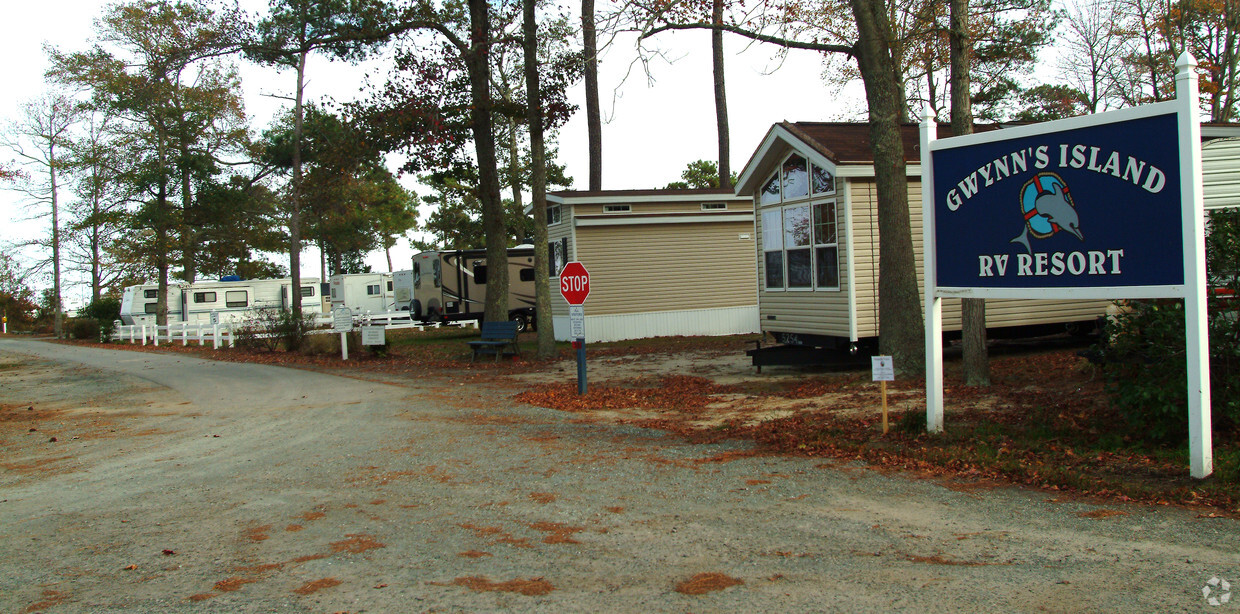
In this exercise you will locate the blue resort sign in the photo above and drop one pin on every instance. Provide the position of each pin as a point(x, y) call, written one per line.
point(1095, 204)
point(1106, 206)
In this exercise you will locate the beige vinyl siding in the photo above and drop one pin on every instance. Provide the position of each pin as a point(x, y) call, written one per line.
point(667, 267)
point(556, 232)
point(818, 312)
point(1221, 183)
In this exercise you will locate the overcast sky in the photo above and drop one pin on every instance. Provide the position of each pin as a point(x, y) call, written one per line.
point(651, 130)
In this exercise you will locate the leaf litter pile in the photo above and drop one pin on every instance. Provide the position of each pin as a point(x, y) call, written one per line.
point(1045, 422)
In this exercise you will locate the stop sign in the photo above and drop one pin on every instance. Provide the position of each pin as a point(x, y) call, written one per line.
point(574, 283)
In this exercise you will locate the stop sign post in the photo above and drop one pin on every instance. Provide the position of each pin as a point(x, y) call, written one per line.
point(575, 287)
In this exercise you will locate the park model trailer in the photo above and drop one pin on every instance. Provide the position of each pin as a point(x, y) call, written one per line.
point(662, 263)
point(446, 286)
point(816, 225)
point(232, 300)
point(363, 292)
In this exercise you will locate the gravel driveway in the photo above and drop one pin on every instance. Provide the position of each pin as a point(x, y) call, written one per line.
point(144, 482)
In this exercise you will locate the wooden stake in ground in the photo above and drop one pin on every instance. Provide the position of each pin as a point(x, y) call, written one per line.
point(883, 370)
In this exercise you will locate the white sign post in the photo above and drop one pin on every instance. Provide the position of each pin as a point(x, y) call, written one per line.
point(342, 321)
point(883, 370)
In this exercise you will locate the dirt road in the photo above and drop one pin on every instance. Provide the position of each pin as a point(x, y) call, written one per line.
point(153, 483)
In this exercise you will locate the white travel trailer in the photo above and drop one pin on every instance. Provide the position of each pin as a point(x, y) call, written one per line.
point(446, 286)
point(232, 300)
point(363, 292)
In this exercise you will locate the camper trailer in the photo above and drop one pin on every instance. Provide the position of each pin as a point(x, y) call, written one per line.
point(363, 292)
point(232, 300)
point(446, 286)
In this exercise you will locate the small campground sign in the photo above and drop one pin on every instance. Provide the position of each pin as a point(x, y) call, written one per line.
point(1105, 206)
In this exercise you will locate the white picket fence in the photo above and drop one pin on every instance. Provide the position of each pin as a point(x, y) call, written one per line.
point(218, 334)
point(224, 334)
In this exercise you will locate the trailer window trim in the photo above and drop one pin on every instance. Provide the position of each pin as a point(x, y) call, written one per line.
point(800, 246)
point(826, 245)
point(791, 182)
point(150, 293)
point(307, 291)
point(373, 290)
point(150, 308)
point(773, 248)
point(204, 297)
point(236, 298)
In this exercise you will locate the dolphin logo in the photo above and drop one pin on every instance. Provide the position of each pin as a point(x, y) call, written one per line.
point(1047, 208)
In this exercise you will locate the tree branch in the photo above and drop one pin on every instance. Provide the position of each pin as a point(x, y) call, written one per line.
point(849, 50)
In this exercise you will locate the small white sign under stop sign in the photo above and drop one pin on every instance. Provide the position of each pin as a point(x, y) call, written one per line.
point(576, 322)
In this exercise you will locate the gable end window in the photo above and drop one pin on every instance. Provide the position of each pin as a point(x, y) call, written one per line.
point(553, 215)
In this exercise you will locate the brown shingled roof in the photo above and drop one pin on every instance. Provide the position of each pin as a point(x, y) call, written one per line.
point(844, 143)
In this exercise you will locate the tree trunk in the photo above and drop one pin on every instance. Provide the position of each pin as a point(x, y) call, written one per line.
point(901, 326)
point(189, 237)
point(294, 218)
point(477, 62)
point(594, 121)
point(973, 316)
point(721, 99)
point(538, 188)
point(58, 315)
point(514, 174)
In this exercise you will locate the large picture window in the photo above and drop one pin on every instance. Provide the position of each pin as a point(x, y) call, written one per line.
point(826, 247)
point(800, 243)
point(800, 247)
point(797, 247)
point(773, 248)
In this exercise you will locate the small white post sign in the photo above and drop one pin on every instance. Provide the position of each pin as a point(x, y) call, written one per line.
point(883, 369)
point(577, 321)
point(374, 335)
point(342, 321)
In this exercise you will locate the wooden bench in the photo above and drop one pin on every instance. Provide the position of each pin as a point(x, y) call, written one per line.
point(496, 337)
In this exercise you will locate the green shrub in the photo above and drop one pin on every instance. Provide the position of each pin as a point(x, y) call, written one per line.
point(106, 311)
point(86, 329)
point(1145, 363)
point(269, 329)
